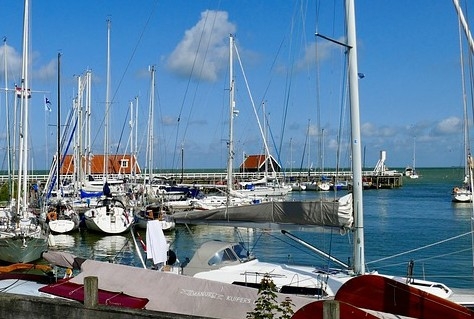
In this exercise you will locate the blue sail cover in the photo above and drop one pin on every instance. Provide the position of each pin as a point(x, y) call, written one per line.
point(85, 194)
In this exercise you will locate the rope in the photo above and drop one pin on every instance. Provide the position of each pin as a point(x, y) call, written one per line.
point(420, 248)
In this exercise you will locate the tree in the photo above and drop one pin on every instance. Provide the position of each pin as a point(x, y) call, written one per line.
point(267, 306)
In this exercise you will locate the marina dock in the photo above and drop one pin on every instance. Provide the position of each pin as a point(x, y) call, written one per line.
point(371, 179)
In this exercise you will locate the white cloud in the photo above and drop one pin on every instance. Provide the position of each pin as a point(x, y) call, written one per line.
point(316, 51)
point(169, 121)
point(203, 52)
point(13, 59)
point(48, 71)
point(449, 125)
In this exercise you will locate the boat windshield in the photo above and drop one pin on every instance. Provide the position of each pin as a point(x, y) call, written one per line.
point(230, 254)
point(241, 252)
point(221, 257)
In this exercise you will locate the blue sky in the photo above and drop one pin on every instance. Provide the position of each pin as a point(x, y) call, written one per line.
point(408, 52)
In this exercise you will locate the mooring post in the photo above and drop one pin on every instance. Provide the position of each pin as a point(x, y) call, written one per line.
point(331, 309)
point(91, 291)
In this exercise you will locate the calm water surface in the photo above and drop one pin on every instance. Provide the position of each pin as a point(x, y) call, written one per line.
point(397, 223)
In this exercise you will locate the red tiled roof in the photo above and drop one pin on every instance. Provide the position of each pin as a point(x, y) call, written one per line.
point(97, 164)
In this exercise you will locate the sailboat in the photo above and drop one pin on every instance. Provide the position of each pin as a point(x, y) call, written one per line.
point(228, 264)
point(410, 171)
point(110, 215)
point(60, 214)
point(258, 189)
point(463, 193)
point(154, 206)
point(23, 238)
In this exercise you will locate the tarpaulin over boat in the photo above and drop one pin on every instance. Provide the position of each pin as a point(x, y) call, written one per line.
point(179, 294)
point(276, 214)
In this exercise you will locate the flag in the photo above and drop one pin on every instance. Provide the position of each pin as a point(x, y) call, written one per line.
point(47, 104)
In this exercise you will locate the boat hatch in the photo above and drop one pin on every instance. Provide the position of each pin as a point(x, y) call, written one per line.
point(307, 291)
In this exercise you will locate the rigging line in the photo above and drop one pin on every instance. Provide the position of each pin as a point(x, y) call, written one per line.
point(128, 64)
point(420, 248)
point(425, 259)
point(189, 83)
point(471, 86)
point(344, 96)
point(253, 104)
point(152, 12)
point(121, 133)
point(200, 72)
point(289, 77)
point(300, 248)
point(303, 11)
point(305, 144)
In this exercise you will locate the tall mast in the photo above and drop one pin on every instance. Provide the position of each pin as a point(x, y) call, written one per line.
point(132, 146)
point(58, 131)
point(88, 122)
point(150, 124)
point(136, 140)
point(359, 253)
point(24, 94)
point(107, 107)
point(232, 111)
point(7, 115)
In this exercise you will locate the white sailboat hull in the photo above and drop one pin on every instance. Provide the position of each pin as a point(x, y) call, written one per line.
point(461, 195)
point(62, 226)
point(111, 217)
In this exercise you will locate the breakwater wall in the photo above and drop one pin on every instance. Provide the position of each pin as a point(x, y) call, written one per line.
point(20, 306)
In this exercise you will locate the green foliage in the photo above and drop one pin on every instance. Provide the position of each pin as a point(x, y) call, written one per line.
point(4, 195)
point(267, 306)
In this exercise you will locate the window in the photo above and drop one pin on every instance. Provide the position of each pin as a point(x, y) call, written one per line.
point(222, 256)
point(124, 163)
point(241, 252)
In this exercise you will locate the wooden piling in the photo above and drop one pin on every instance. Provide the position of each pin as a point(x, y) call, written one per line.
point(331, 309)
point(91, 291)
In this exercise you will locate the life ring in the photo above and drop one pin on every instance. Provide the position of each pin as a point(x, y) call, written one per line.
point(52, 215)
point(455, 189)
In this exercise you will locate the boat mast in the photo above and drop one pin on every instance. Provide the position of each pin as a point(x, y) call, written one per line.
point(150, 125)
point(58, 130)
point(24, 95)
point(88, 123)
point(414, 154)
point(465, 26)
point(107, 107)
point(7, 115)
point(232, 112)
point(469, 166)
point(136, 141)
point(359, 254)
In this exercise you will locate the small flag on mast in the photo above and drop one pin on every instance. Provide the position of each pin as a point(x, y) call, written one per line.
point(47, 104)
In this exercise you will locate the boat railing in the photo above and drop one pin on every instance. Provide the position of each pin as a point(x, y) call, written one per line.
point(216, 177)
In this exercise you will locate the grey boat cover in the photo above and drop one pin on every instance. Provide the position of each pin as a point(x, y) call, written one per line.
point(276, 215)
point(180, 294)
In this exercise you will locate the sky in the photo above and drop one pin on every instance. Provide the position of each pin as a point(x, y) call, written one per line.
point(290, 85)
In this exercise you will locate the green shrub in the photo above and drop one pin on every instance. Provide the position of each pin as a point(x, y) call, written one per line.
point(267, 306)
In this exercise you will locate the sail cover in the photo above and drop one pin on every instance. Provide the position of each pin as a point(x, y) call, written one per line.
point(276, 215)
point(178, 294)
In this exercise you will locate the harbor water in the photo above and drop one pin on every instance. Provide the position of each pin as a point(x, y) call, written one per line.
point(416, 222)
